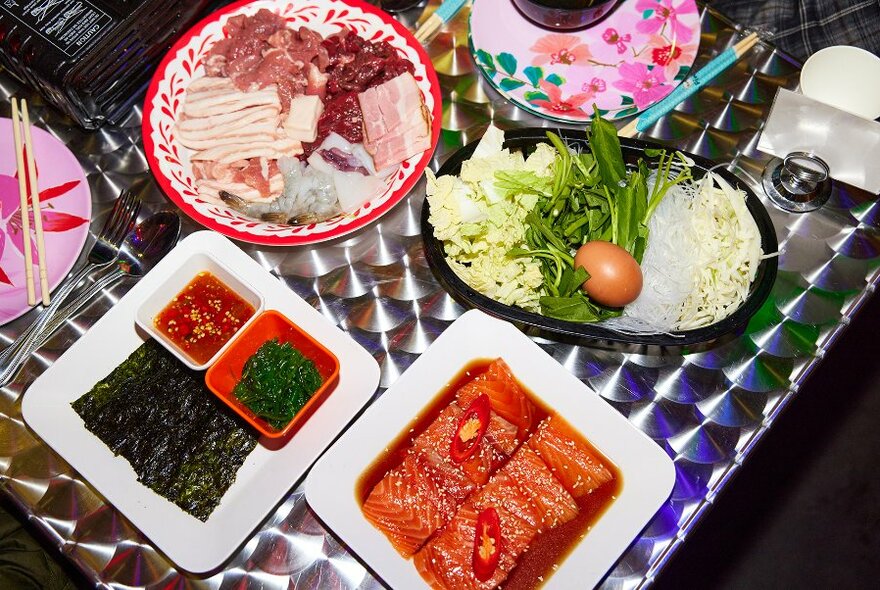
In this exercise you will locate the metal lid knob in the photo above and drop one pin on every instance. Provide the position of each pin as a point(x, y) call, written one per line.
point(800, 182)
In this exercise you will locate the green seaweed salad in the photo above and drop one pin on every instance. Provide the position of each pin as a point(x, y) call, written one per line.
point(182, 442)
point(276, 382)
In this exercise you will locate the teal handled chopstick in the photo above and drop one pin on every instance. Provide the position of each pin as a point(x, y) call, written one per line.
point(441, 16)
point(723, 61)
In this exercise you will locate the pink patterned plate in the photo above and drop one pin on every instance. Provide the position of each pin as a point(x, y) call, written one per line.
point(624, 63)
point(169, 160)
point(65, 205)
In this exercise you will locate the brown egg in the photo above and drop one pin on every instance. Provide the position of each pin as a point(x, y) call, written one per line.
point(615, 276)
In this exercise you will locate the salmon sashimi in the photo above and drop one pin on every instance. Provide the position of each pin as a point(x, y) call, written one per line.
point(508, 400)
point(520, 515)
point(575, 464)
point(554, 504)
point(503, 435)
point(435, 443)
point(447, 561)
point(408, 505)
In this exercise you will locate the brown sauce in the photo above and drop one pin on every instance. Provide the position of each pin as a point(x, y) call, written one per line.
point(549, 549)
point(396, 450)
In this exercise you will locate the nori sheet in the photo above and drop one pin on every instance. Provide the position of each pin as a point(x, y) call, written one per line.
point(182, 442)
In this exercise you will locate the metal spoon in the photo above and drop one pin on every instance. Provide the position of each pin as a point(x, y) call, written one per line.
point(142, 249)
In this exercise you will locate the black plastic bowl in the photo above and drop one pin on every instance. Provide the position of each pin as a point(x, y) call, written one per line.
point(633, 149)
point(564, 15)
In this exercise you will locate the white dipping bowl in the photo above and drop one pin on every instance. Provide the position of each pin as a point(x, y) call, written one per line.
point(844, 77)
point(176, 281)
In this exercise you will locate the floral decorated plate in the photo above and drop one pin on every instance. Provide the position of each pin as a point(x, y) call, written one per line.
point(624, 63)
point(170, 161)
point(65, 206)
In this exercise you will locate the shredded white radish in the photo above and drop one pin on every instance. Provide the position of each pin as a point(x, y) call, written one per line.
point(703, 253)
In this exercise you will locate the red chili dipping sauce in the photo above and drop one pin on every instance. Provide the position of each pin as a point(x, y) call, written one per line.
point(203, 317)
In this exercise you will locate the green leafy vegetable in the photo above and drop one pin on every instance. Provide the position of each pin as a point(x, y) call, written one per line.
point(576, 308)
point(606, 147)
point(510, 226)
point(276, 382)
point(593, 196)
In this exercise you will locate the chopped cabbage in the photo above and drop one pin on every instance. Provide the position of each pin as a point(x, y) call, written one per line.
point(703, 255)
point(479, 223)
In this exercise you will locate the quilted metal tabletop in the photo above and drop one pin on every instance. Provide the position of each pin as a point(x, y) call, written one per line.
point(706, 409)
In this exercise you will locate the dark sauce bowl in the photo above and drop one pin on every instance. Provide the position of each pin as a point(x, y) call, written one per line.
point(564, 15)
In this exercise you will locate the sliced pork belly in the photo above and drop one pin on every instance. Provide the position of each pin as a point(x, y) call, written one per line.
point(199, 127)
point(206, 97)
point(396, 121)
point(571, 462)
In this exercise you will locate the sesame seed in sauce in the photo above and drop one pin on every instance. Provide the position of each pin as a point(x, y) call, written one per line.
point(203, 316)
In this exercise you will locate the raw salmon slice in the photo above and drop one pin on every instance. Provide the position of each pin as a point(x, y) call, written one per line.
point(508, 400)
point(446, 562)
point(503, 435)
point(520, 515)
point(435, 443)
point(575, 464)
point(408, 505)
point(554, 505)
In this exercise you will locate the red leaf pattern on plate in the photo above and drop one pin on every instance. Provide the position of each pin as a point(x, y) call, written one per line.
point(56, 191)
point(4, 278)
point(59, 221)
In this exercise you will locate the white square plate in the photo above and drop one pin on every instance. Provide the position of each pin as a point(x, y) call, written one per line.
point(266, 475)
point(647, 472)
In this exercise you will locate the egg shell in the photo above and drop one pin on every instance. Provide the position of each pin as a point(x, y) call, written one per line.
point(615, 277)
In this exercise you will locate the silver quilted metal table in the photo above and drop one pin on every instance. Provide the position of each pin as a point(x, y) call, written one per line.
point(707, 409)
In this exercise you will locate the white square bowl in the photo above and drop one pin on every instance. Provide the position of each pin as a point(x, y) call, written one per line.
point(648, 474)
point(177, 279)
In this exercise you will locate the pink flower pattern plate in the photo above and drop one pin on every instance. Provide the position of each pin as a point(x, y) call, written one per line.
point(624, 63)
point(65, 207)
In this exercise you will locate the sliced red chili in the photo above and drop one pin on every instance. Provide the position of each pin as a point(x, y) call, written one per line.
point(471, 427)
point(487, 544)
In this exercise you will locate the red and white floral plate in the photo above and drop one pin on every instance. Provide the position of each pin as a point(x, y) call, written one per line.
point(624, 63)
point(65, 207)
point(169, 160)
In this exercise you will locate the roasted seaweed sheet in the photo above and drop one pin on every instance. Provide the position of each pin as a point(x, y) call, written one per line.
point(182, 442)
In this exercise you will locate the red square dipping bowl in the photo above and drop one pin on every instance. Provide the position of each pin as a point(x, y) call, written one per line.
point(225, 373)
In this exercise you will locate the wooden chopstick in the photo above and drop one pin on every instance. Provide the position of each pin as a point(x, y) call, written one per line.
point(23, 200)
point(35, 203)
point(428, 28)
point(26, 165)
point(444, 13)
point(690, 86)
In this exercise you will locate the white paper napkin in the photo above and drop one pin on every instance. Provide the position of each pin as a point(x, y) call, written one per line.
point(849, 144)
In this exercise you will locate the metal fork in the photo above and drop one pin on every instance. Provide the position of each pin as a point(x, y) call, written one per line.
point(104, 251)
